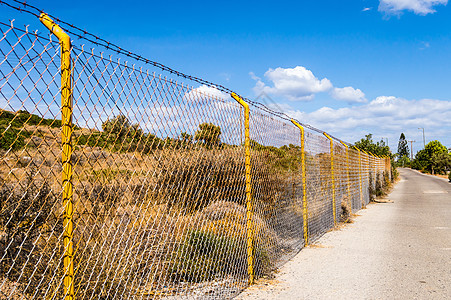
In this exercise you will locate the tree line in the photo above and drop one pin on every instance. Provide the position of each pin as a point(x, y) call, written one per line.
point(434, 158)
point(119, 134)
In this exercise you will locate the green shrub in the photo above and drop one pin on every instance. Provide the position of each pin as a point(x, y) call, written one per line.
point(24, 117)
point(140, 142)
point(394, 173)
point(12, 132)
point(386, 182)
point(12, 138)
point(95, 139)
point(208, 135)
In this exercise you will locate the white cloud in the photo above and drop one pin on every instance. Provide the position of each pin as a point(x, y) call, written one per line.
point(366, 8)
point(385, 116)
point(203, 93)
point(297, 84)
point(420, 7)
point(348, 94)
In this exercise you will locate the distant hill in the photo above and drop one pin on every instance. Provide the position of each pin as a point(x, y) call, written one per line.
point(16, 127)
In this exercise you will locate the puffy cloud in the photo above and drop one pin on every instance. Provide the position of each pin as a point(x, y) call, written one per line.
point(385, 116)
point(348, 94)
point(204, 92)
point(297, 84)
point(420, 7)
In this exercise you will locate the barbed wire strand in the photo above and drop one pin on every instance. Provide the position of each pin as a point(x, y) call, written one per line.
point(92, 38)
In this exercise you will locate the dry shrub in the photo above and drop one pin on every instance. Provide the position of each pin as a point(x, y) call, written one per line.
point(371, 187)
point(345, 214)
point(144, 222)
point(128, 250)
point(191, 180)
point(219, 247)
point(386, 183)
point(380, 185)
point(29, 234)
point(11, 290)
point(230, 219)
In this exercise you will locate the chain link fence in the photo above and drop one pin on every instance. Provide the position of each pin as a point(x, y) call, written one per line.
point(141, 186)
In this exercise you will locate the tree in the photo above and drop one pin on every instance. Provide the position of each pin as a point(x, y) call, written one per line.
point(421, 161)
point(433, 156)
point(440, 163)
point(186, 138)
point(403, 161)
point(119, 127)
point(208, 134)
point(403, 149)
point(435, 147)
point(367, 144)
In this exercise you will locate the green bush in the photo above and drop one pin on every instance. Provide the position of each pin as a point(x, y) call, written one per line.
point(140, 142)
point(394, 173)
point(95, 139)
point(12, 138)
point(434, 158)
point(208, 135)
point(12, 132)
point(24, 117)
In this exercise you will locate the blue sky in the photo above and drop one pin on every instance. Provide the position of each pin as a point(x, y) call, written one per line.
point(350, 67)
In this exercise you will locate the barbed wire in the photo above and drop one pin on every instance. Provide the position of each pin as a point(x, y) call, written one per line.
point(23, 6)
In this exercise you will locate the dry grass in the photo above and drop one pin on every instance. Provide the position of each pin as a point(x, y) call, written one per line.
point(134, 215)
point(318, 246)
point(11, 290)
point(157, 222)
point(441, 176)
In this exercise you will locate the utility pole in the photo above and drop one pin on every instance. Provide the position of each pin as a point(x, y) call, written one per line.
point(424, 140)
point(411, 149)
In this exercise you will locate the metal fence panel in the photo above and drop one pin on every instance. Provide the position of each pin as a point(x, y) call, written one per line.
point(144, 190)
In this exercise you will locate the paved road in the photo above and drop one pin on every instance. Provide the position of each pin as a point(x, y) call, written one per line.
point(399, 250)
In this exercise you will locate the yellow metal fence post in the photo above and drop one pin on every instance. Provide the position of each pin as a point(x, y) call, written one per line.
point(360, 178)
point(348, 176)
point(334, 207)
point(374, 165)
point(389, 168)
point(66, 123)
point(249, 208)
point(304, 181)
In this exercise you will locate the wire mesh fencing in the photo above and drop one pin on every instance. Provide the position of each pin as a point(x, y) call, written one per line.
point(141, 186)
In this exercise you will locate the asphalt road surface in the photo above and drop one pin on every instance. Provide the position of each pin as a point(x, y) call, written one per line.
point(399, 250)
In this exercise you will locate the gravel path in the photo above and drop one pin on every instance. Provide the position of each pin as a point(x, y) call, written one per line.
point(399, 250)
